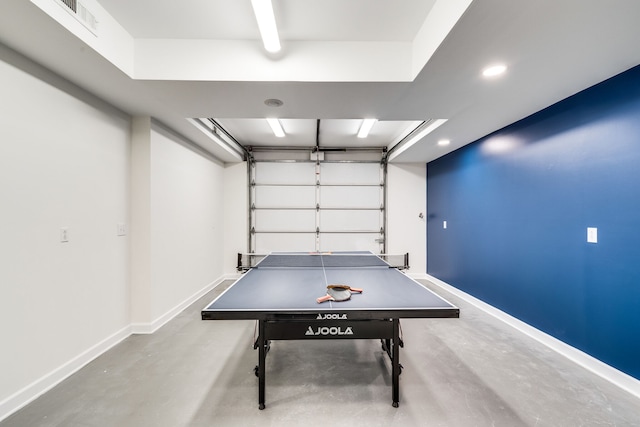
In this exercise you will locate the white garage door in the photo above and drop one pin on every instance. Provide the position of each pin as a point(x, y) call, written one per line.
point(309, 206)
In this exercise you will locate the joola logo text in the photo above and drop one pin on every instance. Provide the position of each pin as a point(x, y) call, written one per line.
point(330, 316)
point(329, 330)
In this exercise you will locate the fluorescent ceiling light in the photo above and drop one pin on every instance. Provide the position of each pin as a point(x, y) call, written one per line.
point(413, 138)
point(263, 10)
point(444, 142)
point(494, 70)
point(365, 127)
point(276, 127)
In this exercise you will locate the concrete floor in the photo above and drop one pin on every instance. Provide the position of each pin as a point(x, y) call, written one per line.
point(472, 371)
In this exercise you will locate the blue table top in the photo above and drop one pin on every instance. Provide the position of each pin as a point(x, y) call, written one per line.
point(283, 284)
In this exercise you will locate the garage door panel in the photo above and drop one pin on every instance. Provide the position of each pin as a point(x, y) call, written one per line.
point(284, 242)
point(349, 242)
point(344, 220)
point(285, 197)
point(350, 197)
point(283, 220)
point(350, 173)
point(285, 173)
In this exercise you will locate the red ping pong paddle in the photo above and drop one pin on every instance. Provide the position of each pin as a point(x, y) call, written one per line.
point(338, 293)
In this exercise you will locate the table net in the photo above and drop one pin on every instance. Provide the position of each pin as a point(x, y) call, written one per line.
point(247, 261)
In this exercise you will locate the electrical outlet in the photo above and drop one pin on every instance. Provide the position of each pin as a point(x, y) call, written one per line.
point(121, 229)
point(64, 235)
point(592, 235)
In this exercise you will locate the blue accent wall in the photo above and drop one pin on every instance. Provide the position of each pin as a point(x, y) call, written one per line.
point(518, 203)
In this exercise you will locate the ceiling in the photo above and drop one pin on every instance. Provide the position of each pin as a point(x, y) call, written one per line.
point(400, 61)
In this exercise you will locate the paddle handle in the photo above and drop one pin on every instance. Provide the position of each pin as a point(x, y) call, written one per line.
point(324, 298)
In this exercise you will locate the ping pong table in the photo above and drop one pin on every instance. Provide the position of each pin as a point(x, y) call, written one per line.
point(280, 293)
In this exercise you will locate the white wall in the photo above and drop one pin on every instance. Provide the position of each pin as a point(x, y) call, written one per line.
point(177, 229)
point(406, 199)
point(64, 162)
point(187, 232)
point(67, 159)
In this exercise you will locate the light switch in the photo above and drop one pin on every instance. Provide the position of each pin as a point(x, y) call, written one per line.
point(444, 224)
point(592, 235)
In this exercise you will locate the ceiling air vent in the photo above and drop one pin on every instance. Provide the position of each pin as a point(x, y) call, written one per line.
point(71, 4)
point(81, 13)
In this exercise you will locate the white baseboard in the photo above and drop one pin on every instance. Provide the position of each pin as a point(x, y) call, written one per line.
point(37, 388)
point(598, 367)
point(149, 328)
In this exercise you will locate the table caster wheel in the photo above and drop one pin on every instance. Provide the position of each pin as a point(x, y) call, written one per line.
point(261, 406)
point(395, 404)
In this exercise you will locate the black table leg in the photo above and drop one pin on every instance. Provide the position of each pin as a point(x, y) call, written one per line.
point(262, 355)
point(395, 363)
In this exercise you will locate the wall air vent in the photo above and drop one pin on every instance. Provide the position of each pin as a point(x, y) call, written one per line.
point(81, 13)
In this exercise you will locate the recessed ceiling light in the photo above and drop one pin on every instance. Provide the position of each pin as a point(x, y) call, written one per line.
point(272, 102)
point(444, 142)
point(365, 127)
point(494, 70)
point(276, 127)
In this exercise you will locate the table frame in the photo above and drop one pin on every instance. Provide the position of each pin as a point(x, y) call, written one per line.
point(387, 330)
point(329, 322)
point(333, 324)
